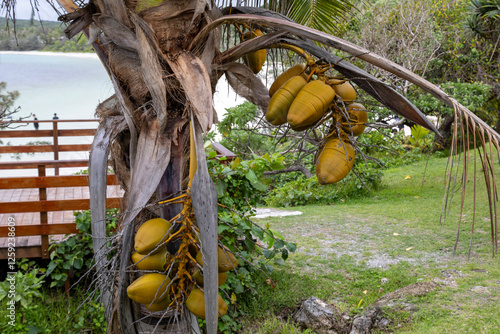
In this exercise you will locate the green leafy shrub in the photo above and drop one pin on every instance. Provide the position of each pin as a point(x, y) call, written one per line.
point(18, 293)
point(421, 138)
point(472, 95)
point(26, 284)
point(309, 191)
point(240, 186)
point(391, 150)
point(75, 253)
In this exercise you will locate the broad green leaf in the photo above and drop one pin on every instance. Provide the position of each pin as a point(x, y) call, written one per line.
point(235, 163)
point(259, 186)
point(284, 254)
point(267, 253)
point(239, 288)
point(277, 234)
point(221, 228)
point(258, 232)
point(250, 175)
point(291, 246)
point(221, 188)
point(278, 243)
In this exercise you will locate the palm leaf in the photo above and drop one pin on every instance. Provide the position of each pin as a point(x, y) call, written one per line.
point(204, 197)
point(98, 167)
point(322, 15)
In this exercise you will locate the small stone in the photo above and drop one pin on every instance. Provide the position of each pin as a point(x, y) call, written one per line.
point(383, 323)
point(384, 280)
point(451, 273)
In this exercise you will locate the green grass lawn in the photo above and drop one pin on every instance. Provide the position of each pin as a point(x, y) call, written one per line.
point(345, 249)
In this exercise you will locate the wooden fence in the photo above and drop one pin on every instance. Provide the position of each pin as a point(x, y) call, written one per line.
point(26, 212)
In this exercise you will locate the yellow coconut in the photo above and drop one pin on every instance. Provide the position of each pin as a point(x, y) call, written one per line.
point(285, 76)
point(343, 89)
point(159, 306)
point(280, 103)
point(226, 259)
point(199, 278)
point(149, 288)
point(255, 60)
point(334, 161)
point(150, 262)
point(357, 119)
point(311, 104)
point(196, 304)
point(151, 235)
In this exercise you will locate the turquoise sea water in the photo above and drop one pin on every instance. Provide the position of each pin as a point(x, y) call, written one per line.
point(69, 85)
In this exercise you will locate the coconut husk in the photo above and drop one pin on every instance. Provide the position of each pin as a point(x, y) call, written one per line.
point(172, 24)
point(121, 35)
point(120, 165)
point(108, 108)
point(126, 66)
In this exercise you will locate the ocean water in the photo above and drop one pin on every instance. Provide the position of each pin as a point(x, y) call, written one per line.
point(71, 85)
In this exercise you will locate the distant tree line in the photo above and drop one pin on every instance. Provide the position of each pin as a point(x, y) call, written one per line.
point(33, 35)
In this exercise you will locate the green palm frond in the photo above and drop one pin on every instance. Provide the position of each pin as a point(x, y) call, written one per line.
point(486, 8)
point(328, 16)
point(323, 15)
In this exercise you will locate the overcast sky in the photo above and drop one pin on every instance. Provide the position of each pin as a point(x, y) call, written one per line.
point(23, 10)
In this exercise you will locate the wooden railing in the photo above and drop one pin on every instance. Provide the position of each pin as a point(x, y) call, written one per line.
point(43, 183)
point(55, 148)
point(43, 206)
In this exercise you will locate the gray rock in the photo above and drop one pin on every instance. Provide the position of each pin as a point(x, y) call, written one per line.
point(384, 280)
point(363, 324)
point(324, 318)
point(373, 316)
point(321, 317)
point(452, 273)
point(383, 323)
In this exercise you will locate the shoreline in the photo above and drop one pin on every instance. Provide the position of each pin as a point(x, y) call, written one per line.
point(54, 54)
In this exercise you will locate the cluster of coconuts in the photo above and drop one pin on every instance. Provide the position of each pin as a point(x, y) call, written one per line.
point(302, 103)
point(156, 290)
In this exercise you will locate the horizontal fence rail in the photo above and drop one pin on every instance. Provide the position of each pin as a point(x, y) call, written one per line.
point(46, 163)
point(44, 206)
point(54, 148)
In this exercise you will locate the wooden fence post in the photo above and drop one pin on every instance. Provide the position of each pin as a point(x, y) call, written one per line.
point(42, 193)
point(55, 135)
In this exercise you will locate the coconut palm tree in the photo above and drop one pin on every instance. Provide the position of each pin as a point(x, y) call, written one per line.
point(164, 59)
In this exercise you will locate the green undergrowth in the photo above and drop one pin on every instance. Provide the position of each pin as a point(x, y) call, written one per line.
point(55, 313)
point(351, 252)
